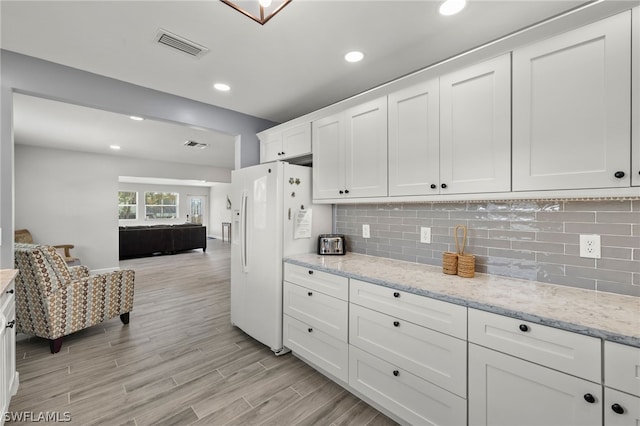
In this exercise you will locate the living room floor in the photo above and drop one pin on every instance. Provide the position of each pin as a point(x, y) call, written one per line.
point(178, 362)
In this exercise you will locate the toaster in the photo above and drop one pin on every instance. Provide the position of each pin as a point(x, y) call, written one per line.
point(329, 244)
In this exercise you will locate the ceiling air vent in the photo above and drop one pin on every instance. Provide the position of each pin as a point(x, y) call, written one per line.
point(180, 43)
point(194, 144)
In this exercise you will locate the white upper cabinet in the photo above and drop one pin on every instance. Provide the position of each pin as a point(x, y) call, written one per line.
point(635, 98)
point(350, 152)
point(571, 109)
point(285, 144)
point(414, 140)
point(475, 128)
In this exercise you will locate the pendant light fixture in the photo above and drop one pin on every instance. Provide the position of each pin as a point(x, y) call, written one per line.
point(260, 11)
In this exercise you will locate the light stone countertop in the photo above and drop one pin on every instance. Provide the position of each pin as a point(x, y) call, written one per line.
point(6, 276)
point(606, 315)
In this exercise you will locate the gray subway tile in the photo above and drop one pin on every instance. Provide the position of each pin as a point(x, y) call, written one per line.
point(588, 217)
point(556, 237)
point(615, 217)
point(402, 256)
point(433, 214)
point(403, 213)
point(403, 228)
point(585, 283)
point(604, 205)
point(615, 253)
point(563, 259)
point(390, 220)
point(511, 254)
point(599, 274)
point(620, 241)
point(538, 246)
point(538, 226)
point(505, 234)
point(417, 221)
point(486, 242)
point(619, 265)
point(615, 287)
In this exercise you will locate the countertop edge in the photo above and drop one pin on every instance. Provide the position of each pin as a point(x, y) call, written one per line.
point(6, 277)
point(551, 322)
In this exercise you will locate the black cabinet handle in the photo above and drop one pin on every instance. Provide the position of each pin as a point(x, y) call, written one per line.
point(396, 294)
point(10, 291)
point(396, 373)
point(341, 191)
point(346, 191)
point(433, 186)
point(11, 323)
point(310, 294)
point(310, 330)
point(589, 398)
point(443, 186)
point(524, 327)
point(619, 174)
point(617, 408)
point(310, 272)
point(282, 152)
point(396, 323)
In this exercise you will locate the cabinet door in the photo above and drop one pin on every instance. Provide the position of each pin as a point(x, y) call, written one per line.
point(475, 128)
point(621, 409)
point(270, 147)
point(571, 109)
point(366, 149)
point(504, 390)
point(328, 157)
point(296, 141)
point(635, 98)
point(414, 139)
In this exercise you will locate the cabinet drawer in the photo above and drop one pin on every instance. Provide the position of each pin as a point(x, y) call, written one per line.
point(558, 349)
point(431, 313)
point(333, 285)
point(414, 400)
point(622, 367)
point(320, 311)
point(627, 413)
point(8, 296)
point(435, 357)
point(324, 351)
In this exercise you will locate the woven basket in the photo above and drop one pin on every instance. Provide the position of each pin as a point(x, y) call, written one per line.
point(466, 262)
point(450, 263)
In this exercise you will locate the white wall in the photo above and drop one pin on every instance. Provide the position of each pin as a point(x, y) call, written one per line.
point(67, 197)
point(218, 208)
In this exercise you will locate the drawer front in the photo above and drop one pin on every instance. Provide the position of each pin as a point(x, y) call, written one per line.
point(622, 367)
point(8, 296)
point(435, 357)
point(431, 313)
point(319, 348)
point(627, 411)
point(320, 311)
point(561, 350)
point(330, 284)
point(414, 400)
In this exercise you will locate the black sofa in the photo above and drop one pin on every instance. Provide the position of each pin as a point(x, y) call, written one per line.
point(168, 239)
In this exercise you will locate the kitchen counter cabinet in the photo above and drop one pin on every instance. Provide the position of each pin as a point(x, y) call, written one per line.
point(350, 152)
point(571, 109)
point(622, 385)
point(8, 376)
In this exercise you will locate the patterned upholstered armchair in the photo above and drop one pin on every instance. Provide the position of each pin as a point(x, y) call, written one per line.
point(54, 300)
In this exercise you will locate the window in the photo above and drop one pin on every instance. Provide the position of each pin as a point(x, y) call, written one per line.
point(161, 205)
point(127, 205)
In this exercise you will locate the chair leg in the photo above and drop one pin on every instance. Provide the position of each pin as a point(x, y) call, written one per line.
point(55, 345)
point(124, 318)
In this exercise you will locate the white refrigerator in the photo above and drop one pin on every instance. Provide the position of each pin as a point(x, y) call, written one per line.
point(272, 218)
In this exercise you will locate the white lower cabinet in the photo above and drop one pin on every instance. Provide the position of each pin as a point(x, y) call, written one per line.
point(505, 390)
point(8, 375)
point(621, 409)
point(408, 396)
point(622, 385)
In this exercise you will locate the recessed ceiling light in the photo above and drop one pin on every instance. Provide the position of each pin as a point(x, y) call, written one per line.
point(354, 56)
point(451, 7)
point(136, 118)
point(114, 147)
point(222, 87)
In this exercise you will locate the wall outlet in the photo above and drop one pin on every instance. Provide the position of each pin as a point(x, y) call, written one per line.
point(425, 235)
point(365, 231)
point(590, 246)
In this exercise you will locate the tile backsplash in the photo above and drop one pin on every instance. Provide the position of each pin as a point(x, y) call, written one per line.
point(533, 240)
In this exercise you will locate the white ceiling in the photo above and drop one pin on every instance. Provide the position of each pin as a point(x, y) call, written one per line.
point(286, 68)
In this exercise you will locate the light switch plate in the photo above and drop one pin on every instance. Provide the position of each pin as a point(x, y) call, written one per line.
point(365, 231)
point(425, 235)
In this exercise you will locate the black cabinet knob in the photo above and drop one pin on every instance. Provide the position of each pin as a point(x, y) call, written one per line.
point(396, 294)
point(396, 323)
point(310, 293)
point(617, 408)
point(282, 152)
point(524, 327)
point(346, 191)
point(310, 272)
point(341, 191)
point(10, 291)
point(433, 186)
point(310, 330)
point(11, 323)
point(619, 174)
point(396, 373)
point(443, 186)
point(589, 398)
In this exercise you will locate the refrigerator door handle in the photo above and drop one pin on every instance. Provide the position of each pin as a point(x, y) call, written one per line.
point(243, 232)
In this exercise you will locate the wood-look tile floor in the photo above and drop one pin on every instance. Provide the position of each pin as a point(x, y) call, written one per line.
point(178, 362)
